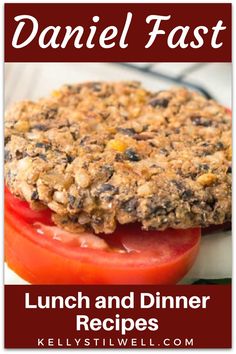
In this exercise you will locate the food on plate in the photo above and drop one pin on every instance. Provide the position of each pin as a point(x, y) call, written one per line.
point(111, 183)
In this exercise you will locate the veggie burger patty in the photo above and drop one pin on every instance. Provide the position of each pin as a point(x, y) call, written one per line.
point(101, 153)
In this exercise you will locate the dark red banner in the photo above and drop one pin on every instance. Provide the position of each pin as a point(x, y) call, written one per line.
point(197, 316)
point(118, 32)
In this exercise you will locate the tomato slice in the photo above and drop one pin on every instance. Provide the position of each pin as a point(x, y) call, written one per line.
point(44, 254)
point(23, 210)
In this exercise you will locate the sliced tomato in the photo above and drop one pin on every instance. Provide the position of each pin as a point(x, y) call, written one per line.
point(23, 210)
point(43, 254)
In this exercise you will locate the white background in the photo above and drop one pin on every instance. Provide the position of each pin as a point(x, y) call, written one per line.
point(33, 80)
